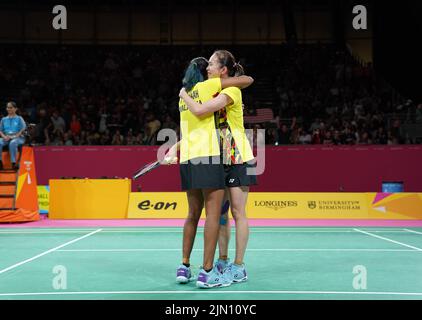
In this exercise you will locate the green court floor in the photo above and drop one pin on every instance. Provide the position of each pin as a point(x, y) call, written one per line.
point(140, 263)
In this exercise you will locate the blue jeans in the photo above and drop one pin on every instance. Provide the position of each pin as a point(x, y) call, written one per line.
point(13, 147)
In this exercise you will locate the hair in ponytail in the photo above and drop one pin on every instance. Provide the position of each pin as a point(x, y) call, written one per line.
point(238, 70)
point(226, 59)
point(195, 72)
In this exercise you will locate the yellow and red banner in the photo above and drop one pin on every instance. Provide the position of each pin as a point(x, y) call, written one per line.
point(278, 205)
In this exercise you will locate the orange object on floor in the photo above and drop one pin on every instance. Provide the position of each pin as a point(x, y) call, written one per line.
point(18, 189)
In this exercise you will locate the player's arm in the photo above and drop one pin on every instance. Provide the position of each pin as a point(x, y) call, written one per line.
point(241, 82)
point(206, 108)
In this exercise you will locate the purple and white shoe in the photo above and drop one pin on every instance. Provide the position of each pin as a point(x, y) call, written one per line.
point(183, 274)
point(236, 273)
point(212, 279)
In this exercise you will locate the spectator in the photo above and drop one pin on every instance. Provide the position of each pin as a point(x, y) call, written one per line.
point(75, 125)
point(305, 137)
point(59, 126)
point(327, 138)
point(169, 123)
point(117, 139)
point(108, 90)
point(11, 131)
point(316, 137)
point(130, 138)
point(284, 133)
point(67, 139)
point(41, 129)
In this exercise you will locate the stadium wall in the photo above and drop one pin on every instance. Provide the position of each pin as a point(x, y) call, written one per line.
point(287, 168)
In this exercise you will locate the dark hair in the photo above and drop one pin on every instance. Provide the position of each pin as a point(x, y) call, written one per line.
point(13, 104)
point(226, 59)
point(195, 72)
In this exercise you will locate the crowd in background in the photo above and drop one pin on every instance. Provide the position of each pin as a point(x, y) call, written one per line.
point(79, 95)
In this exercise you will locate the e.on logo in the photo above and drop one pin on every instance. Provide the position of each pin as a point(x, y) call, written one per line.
point(146, 205)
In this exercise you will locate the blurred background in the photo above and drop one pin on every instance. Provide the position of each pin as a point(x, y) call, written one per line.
point(113, 76)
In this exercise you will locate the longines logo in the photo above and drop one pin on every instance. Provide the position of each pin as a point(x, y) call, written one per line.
point(276, 205)
point(146, 205)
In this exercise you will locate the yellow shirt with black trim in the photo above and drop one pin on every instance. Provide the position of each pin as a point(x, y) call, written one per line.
point(235, 144)
point(199, 134)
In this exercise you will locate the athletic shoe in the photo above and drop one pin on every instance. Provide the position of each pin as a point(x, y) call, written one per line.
point(236, 273)
point(184, 274)
point(221, 265)
point(212, 279)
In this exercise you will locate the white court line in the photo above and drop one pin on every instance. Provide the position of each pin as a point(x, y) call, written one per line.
point(413, 231)
point(107, 228)
point(48, 251)
point(387, 239)
point(181, 231)
point(146, 228)
point(174, 231)
point(210, 292)
point(249, 249)
point(43, 232)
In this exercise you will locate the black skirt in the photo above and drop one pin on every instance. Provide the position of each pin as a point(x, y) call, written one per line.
point(202, 173)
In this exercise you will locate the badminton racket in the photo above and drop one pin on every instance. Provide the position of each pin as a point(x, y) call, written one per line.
point(145, 169)
point(151, 166)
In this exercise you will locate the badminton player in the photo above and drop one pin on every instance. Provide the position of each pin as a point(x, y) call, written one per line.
point(201, 169)
point(237, 152)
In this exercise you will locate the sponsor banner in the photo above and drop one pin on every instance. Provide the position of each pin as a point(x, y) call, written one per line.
point(43, 198)
point(280, 205)
point(164, 205)
point(263, 205)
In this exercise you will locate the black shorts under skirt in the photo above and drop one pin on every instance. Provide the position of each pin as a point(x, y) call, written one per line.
point(237, 175)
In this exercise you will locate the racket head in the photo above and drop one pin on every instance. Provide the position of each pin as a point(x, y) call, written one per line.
point(145, 169)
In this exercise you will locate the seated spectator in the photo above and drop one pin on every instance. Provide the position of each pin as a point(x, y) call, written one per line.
point(316, 137)
point(12, 128)
point(59, 126)
point(305, 137)
point(327, 138)
point(117, 139)
point(75, 125)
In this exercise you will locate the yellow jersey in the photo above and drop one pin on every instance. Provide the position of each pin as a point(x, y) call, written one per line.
point(199, 134)
point(235, 145)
